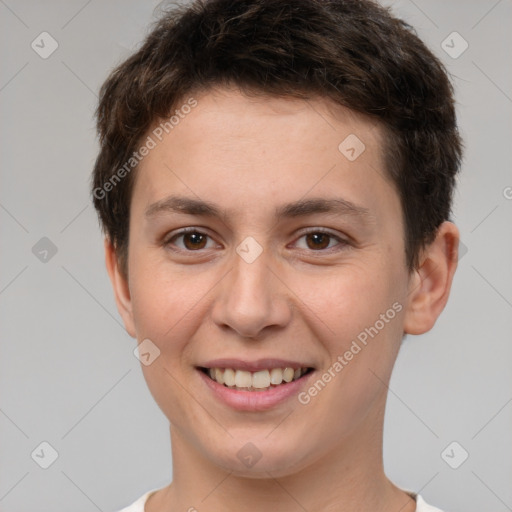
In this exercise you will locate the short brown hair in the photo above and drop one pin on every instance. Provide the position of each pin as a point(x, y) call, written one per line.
point(353, 52)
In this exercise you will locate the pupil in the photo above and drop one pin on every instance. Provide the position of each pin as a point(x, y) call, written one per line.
point(195, 239)
point(318, 238)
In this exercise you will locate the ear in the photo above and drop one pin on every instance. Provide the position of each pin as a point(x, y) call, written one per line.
point(121, 288)
point(430, 284)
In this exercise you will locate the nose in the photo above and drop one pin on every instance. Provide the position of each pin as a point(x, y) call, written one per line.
point(252, 298)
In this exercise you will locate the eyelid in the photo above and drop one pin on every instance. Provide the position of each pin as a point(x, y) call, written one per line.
point(184, 231)
point(341, 240)
point(203, 231)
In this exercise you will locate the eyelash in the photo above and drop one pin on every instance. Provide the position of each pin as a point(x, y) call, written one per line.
point(341, 242)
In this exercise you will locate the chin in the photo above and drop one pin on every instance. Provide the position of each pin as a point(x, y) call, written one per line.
point(260, 458)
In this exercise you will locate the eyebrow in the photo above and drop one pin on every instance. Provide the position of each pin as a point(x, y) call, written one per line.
point(300, 208)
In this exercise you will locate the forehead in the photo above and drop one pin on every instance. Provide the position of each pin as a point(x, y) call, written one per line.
point(219, 111)
point(243, 150)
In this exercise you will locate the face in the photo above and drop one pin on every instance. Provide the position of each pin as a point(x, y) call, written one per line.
point(257, 242)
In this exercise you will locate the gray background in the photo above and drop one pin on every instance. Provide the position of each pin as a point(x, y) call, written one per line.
point(68, 375)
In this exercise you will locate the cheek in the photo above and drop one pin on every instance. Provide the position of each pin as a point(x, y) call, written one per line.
point(349, 297)
point(165, 310)
point(371, 317)
point(169, 307)
point(163, 297)
point(362, 308)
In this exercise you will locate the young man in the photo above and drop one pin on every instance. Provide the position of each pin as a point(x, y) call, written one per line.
point(274, 183)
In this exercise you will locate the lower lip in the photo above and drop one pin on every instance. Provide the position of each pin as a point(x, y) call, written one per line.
point(255, 400)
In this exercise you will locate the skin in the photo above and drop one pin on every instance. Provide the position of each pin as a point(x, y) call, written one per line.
point(298, 300)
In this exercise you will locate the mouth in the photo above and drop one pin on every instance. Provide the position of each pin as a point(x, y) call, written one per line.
point(255, 381)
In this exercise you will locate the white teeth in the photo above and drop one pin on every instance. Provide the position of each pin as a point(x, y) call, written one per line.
point(229, 377)
point(219, 376)
point(288, 374)
point(260, 380)
point(243, 379)
point(276, 376)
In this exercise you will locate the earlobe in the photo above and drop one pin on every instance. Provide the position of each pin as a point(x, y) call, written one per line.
point(430, 284)
point(120, 288)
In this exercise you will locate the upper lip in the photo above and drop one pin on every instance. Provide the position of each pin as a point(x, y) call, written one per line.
point(253, 366)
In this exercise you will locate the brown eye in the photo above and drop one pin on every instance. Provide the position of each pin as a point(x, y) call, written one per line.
point(191, 240)
point(318, 240)
point(194, 240)
point(321, 241)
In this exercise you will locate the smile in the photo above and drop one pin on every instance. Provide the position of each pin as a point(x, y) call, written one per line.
point(262, 380)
